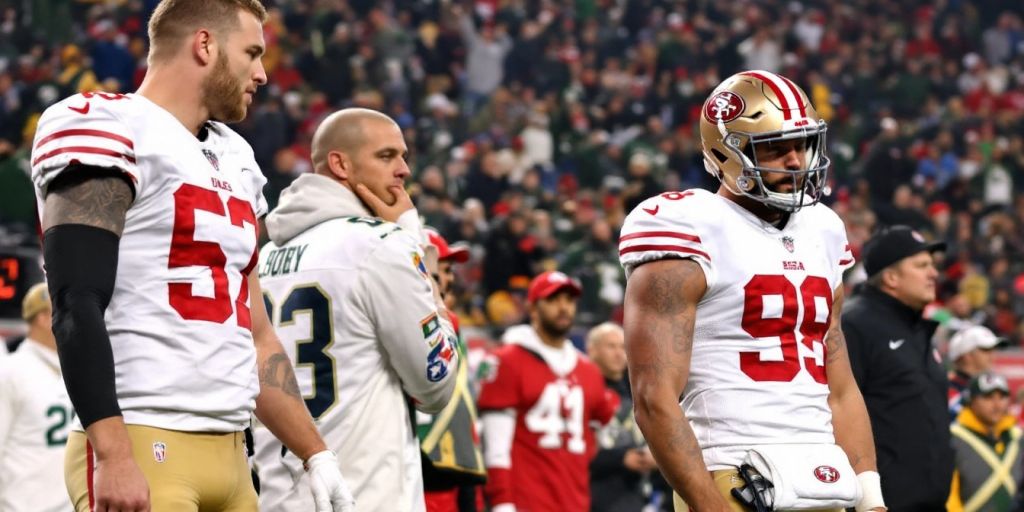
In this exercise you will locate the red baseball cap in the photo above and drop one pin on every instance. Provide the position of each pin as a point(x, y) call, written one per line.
point(458, 253)
point(549, 283)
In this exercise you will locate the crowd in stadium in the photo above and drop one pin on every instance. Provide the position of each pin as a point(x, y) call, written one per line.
point(536, 126)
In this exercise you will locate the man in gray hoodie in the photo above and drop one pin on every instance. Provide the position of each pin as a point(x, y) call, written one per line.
point(346, 280)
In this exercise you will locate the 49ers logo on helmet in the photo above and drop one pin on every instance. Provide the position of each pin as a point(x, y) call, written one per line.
point(827, 474)
point(725, 106)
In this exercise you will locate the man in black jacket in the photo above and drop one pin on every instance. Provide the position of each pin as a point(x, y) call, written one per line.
point(898, 370)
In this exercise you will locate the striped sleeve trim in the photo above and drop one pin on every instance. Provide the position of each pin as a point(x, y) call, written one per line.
point(85, 141)
point(847, 258)
point(662, 241)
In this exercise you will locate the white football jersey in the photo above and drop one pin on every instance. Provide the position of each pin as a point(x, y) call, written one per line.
point(757, 374)
point(179, 316)
point(35, 419)
point(354, 309)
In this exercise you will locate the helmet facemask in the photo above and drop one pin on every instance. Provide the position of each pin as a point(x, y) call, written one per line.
point(809, 183)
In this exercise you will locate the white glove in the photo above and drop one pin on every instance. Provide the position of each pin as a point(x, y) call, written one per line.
point(330, 492)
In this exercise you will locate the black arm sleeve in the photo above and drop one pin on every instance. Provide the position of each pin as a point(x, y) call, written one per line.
point(81, 264)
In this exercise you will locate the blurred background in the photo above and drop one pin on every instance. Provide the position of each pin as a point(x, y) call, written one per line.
point(535, 126)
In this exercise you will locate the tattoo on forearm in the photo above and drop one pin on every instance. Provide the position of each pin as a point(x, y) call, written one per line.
point(277, 372)
point(835, 343)
point(684, 440)
point(99, 201)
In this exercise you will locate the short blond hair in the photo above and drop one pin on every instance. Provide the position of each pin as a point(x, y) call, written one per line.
point(174, 20)
point(600, 331)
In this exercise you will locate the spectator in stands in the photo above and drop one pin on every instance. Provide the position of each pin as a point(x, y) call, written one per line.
point(485, 56)
point(594, 261)
point(76, 77)
point(623, 462)
point(970, 350)
point(600, 72)
point(898, 370)
point(987, 446)
point(35, 416)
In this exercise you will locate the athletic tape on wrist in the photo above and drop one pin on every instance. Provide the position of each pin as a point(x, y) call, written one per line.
point(871, 489)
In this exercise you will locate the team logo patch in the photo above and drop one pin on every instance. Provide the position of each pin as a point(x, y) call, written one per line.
point(417, 261)
point(212, 158)
point(430, 325)
point(827, 474)
point(917, 236)
point(159, 451)
point(439, 359)
point(787, 242)
point(724, 106)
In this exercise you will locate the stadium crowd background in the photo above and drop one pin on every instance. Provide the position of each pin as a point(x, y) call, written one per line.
point(535, 125)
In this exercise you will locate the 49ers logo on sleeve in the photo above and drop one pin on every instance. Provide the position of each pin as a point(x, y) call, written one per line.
point(724, 106)
point(827, 474)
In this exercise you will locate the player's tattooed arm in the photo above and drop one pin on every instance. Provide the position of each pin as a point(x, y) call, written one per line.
point(835, 341)
point(84, 215)
point(91, 196)
point(850, 420)
point(660, 313)
point(279, 404)
point(669, 315)
point(277, 372)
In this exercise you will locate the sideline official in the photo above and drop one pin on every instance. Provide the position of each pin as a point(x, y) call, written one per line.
point(898, 370)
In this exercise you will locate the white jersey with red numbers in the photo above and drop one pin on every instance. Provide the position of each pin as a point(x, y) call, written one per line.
point(757, 374)
point(178, 319)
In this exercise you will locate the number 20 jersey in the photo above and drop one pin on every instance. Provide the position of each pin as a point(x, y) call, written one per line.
point(757, 373)
point(179, 318)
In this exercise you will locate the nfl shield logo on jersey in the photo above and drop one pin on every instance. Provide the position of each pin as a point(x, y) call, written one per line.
point(787, 242)
point(159, 451)
point(212, 158)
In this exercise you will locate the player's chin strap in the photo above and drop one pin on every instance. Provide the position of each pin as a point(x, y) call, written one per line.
point(754, 491)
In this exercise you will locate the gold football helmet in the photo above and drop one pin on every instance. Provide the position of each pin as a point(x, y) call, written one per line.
point(760, 107)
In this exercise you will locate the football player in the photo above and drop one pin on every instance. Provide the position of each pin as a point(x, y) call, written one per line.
point(351, 292)
point(732, 304)
point(149, 205)
point(35, 415)
point(538, 403)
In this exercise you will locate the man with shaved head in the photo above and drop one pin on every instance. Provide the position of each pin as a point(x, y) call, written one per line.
point(351, 290)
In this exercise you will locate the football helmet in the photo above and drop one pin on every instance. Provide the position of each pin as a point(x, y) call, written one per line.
point(759, 107)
